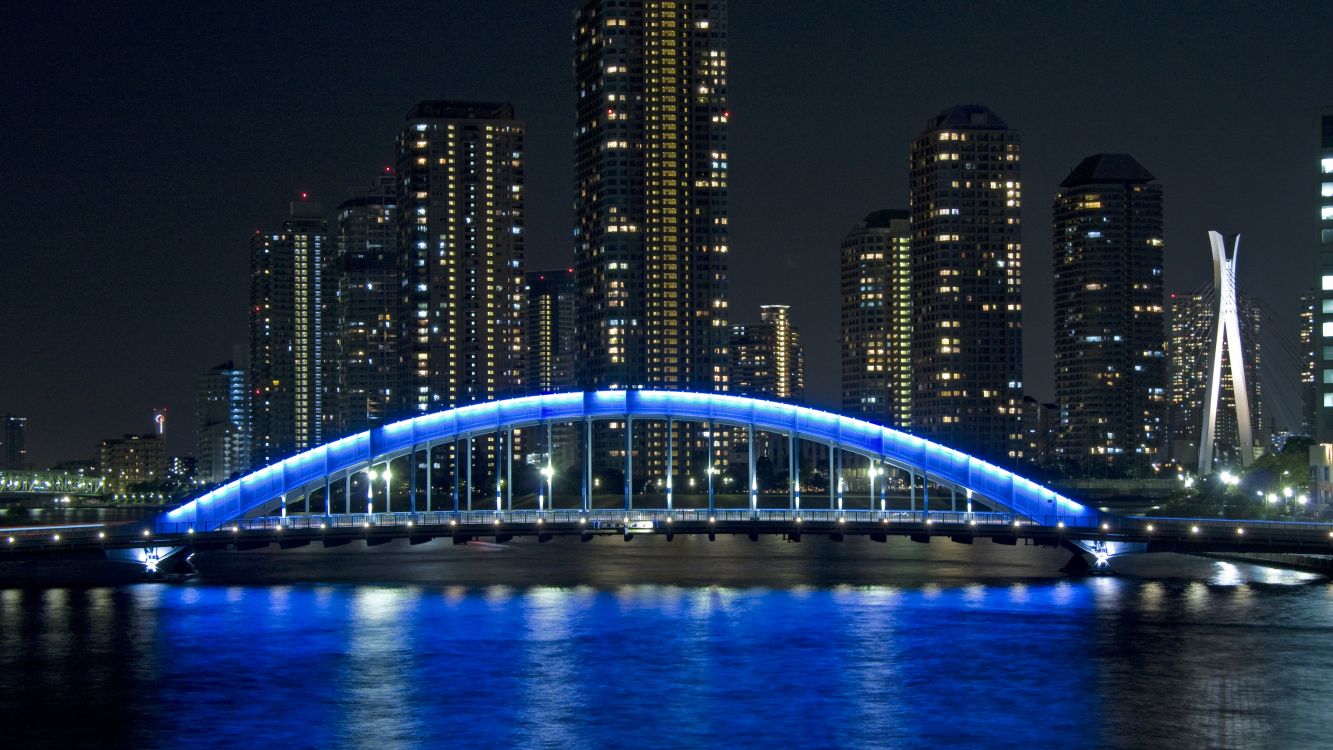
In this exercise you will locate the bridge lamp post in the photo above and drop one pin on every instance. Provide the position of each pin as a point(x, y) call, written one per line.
point(874, 472)
point(1272, 499)
point(371, 475)
point(548, 473)
point(709, 472)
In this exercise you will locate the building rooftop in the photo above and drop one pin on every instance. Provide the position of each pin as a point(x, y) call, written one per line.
point(884, 218)
point(462, 110)
point(1103, 168)
point(969, 116)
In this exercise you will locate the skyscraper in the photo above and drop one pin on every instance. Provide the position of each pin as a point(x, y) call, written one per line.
point(651, 193)
point(767, 359)
point(460, 240)
point(1110, 335)
point(876, 327)
point(13, 442)
point(1193, 318)
point(291, 335)
point(967, 294)
point(549, 327)
point(1324, 309)
point(222, 412)
point(366, 270)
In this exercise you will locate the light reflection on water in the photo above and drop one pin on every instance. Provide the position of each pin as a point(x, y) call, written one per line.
point(1226, 656)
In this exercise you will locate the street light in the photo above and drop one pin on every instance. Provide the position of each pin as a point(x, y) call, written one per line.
point(370, 491)
point(548, 472)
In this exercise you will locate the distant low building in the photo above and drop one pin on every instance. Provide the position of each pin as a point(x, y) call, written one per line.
point(131, 460)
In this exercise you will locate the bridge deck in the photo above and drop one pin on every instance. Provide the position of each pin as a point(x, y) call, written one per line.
point(1158, 534)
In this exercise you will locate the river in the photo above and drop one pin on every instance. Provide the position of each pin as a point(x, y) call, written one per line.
point(673, 644)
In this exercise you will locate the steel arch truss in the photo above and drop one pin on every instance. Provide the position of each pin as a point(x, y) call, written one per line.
point(939, 464)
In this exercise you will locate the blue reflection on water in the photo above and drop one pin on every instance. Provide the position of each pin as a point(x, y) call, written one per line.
point(1091, 663)
point(405, 667)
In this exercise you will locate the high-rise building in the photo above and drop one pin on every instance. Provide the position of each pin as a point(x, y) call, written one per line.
point(767, 359)
point(1305, 338)
point(549, 328)
point(460, 240)
point(1193, 321)
point(1323, 313)
point(1041, 422)
point(13, 442)
point(651, 167)
point(1110, 334)
point(876, 327)
point(132, 459)
point(291, 335)
point(967, 293)
point(222, 413)
point(366, 270)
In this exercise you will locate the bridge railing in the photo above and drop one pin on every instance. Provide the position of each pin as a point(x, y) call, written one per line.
point(478, 521)
point(609, 518)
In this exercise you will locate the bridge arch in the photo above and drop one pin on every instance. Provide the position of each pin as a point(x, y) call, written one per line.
point(340, 459)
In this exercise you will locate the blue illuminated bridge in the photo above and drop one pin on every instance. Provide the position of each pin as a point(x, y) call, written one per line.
point(622, 463)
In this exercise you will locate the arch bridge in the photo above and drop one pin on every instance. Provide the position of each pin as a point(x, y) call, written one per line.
point(681, 436)
point(655, 462)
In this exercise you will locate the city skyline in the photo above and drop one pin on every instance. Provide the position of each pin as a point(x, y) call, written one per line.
point(775, 259)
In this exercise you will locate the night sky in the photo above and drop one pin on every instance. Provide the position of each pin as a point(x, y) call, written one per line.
point(141, 145)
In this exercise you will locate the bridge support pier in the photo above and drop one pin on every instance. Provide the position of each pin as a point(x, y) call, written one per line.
point(911, 484)
point(670, 426)
point(832, 490)
point(711, 464)
point(753, 480)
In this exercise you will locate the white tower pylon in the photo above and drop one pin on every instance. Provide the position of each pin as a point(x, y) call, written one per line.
point(1226, 334)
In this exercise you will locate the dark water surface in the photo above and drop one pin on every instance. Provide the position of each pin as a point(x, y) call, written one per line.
point(680, 644)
